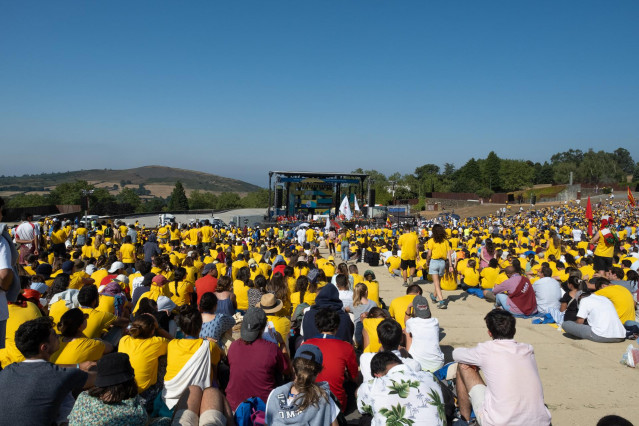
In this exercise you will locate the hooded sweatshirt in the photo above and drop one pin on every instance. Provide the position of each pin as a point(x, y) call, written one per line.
point(151, 248)
point(328, 297)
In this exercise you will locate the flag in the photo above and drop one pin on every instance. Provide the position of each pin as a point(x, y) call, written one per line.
point(589, 216)
point(631, 199)
point(345, 209)
point(328, 223)
point(355, 205)
point(388, 222)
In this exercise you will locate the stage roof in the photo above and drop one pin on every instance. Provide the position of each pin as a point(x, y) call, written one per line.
point(312, 174)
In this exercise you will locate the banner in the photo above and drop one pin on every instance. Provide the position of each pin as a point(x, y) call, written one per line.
point(345, 209)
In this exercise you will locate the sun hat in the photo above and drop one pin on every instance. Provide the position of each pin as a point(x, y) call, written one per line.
point(270, 304)
point(369, 272)
point(253, 324)
point(115, 266)
point(421, 308)
point(310, 352)
point(114, 369)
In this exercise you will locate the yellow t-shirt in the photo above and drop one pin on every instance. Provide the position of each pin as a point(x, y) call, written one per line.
point(370, 325)
point(308, 298)
point(127, 251)
point(17, 316)
point(622, 299)
point(179, 351)
point(471, 276)
point(448, 283)
point(144, 354)
point(282, 325)
point(394, 263)
point(603, 249)
point(241, 295)
point(56, 310)
point(399, 306)
point(489, 276)
point(373, 291)
point(106, 304)
point(97, 322)
point(182, 296)
point(78, 350)
point(438, 250)
point(408, 243)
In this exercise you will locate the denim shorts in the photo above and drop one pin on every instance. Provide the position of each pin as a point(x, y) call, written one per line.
point(437, 267)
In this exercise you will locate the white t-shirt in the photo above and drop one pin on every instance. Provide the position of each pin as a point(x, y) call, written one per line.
point(346, 296)
point(425, 346)
point(26, 231)
point(365, 364)
point(548, 293)
point(5, 263)
point(576, 234)
point(602, 316)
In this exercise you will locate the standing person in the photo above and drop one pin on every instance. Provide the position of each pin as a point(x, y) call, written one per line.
point(605, 240)
point(332, 236)
point(9, 279)
point(438, 251)
point(408, 243)
point(512, 393)
point(303, 401)
point(27, 236)
point(345, 245)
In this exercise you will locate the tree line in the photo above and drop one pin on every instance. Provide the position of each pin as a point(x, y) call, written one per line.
point(128, 200)
point(485, 176)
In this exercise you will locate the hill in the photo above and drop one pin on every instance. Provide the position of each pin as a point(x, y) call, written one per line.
point(157, 179)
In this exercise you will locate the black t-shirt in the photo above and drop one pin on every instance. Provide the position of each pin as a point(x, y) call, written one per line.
point(33, 391)
point(571, 311)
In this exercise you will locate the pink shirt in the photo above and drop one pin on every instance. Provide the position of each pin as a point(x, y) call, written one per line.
point(514, 395)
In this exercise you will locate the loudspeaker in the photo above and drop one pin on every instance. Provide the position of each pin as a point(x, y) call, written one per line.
point(371, 197)
point(279, 194)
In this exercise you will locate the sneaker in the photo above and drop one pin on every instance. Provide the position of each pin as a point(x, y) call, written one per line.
point(442, 305)
point(405, 284)
point(433, 298)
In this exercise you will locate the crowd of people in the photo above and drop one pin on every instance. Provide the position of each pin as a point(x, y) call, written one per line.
point(112, 323)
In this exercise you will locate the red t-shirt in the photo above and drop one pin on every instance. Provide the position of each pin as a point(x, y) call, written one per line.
point(205, 284)
point(339, 356)
point(253, 370)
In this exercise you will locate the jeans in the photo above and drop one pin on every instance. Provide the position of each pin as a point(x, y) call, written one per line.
point(502, 300)
point(345, 249)
point(584, 331)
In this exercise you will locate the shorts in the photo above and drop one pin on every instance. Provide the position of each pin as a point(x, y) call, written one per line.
point(405, 264)
point(437, 267)
point(208, 418)
point(601, 263)
point(477, 395)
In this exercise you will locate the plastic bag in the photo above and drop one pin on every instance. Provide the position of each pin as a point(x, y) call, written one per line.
point(631, 357)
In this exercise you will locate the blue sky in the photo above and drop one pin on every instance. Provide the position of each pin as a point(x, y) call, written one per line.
point(238, 88)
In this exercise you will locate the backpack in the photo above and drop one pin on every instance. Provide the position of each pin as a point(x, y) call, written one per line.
point(108, 232)
point(251, 412)
point(298, 316)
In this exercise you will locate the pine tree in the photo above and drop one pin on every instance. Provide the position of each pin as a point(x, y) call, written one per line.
point(178, 199)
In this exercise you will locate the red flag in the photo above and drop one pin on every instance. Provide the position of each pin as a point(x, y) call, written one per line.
point(589, 216)
point(631, 199)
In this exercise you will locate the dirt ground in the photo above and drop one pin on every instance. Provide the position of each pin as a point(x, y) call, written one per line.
point(582, 380)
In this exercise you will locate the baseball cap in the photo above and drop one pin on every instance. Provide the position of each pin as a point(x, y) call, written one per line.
point(208, 268)
point(115, 266)
point(253, 324)
point(420, 307)
point(310, 352)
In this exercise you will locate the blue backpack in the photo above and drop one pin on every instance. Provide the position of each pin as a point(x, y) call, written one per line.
point(251, 412)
